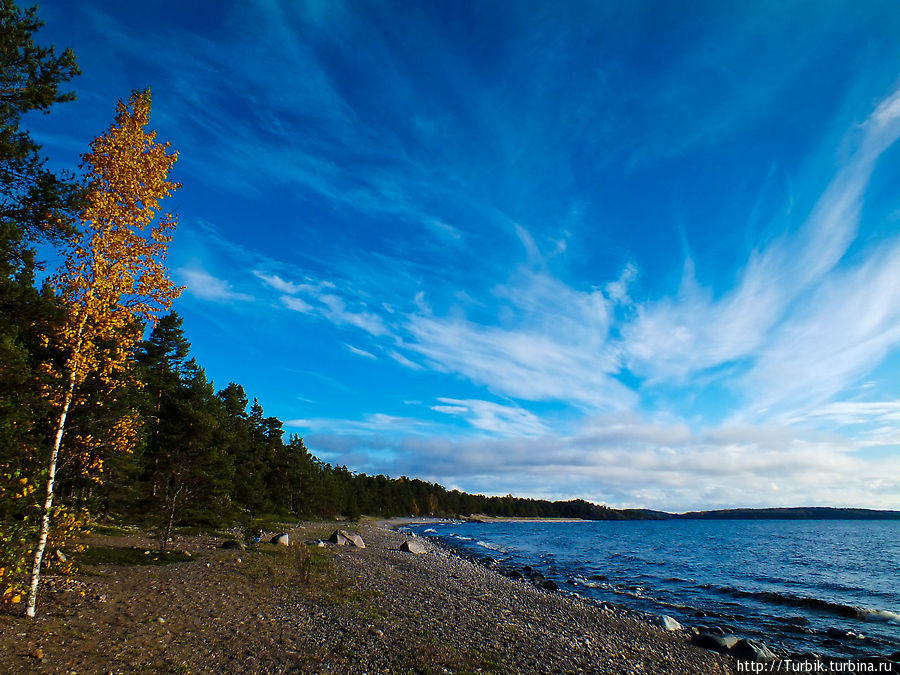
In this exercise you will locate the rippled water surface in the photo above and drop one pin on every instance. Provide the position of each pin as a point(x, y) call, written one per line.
point(830, 587)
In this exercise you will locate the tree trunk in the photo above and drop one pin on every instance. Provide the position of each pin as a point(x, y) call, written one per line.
point(48, 502)
point(170, 525)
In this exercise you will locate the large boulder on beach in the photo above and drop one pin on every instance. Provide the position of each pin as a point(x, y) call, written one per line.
point(282, 539)
point(750, 650)
point(413, 546)
point(666, 622)
point(344, 538)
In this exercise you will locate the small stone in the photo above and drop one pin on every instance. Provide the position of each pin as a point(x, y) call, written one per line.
point(160, 619)
point(282, 539)
point(60, 556)
point(667, 622)
point(37, 654)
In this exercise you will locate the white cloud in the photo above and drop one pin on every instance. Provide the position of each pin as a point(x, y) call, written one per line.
point(336, 311)
point(845, 413)
point(202, 284)
point(445, 230)
point(297, 304)
point(321, 299)
point(641, 464)
point(617, 290)
point(380, 423)
point(554, 348)
point(493, 417)
point(278, 283)
point(805, 328)
point(844, 330)
point(361, 352)
point(403, 361)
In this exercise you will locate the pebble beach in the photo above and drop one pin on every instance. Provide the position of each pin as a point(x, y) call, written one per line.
point(377, 609)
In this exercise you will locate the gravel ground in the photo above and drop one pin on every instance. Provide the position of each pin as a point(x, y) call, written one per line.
point(372, 610)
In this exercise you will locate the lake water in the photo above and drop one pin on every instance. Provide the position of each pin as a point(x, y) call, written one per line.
point(829, 587)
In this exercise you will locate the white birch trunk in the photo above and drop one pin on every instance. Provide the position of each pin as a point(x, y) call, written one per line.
point(48, 503)
point(31, 602)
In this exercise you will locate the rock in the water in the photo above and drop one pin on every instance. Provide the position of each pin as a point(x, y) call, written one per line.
point(750, 650)
point(413, 546)
point(549, 585)
point(717, 643)
point(344, 538)
point(282, 539)
point(666, 622)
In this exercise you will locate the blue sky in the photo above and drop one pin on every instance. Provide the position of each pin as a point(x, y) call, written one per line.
point(646, 254)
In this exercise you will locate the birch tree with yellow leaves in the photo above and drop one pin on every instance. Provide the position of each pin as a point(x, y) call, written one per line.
point(113, 281)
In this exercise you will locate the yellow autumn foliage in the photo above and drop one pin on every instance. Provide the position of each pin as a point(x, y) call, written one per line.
point(112, 282)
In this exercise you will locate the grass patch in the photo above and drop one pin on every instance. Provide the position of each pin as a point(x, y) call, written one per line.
point(198, 530)
point(110, 555)
point(271, 524)
point(307, 570)
point(489, 662)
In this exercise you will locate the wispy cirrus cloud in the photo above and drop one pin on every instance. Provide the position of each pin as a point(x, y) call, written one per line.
point(493, 417)
point(846, 328)
point(858, 412)
point(324, 299)
point(361, 352)
point(204, 285)
point(803, 327)
point(555, 345)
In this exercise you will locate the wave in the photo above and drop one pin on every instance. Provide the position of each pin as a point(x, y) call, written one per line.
point(880, 615)
point(489, 545)
point(826, 606)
